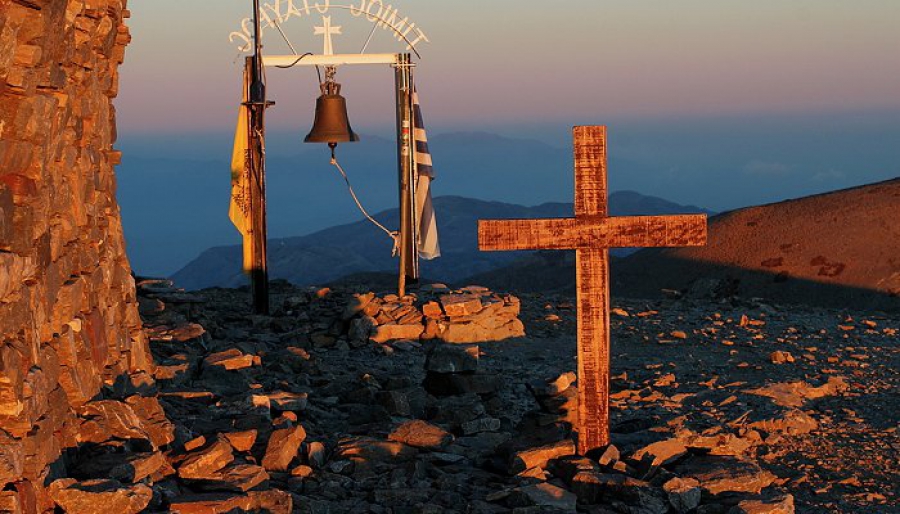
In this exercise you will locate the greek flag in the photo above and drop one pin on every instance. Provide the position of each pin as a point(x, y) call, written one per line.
point(426, 223)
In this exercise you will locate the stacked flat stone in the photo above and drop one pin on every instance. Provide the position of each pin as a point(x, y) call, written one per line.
point(470, 315)
point(69, 323)
point(452, 374)
point(558, 399)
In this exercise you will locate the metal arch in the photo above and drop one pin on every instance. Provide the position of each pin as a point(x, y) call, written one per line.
point(394, 29)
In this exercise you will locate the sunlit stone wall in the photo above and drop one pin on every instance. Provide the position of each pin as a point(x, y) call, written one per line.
point(69, 325)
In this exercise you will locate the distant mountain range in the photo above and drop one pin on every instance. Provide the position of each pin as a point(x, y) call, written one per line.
point(359, 247)
point(173, 209)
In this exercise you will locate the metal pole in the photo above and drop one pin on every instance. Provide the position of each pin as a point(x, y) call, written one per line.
point(259, 274)
point(412, 272)
point(257, 86)
point(404, 156)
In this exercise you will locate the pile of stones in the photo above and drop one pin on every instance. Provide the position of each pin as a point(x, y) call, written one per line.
point(469, 315)
point(681, 474)
point(282, 414)
point(462, 390)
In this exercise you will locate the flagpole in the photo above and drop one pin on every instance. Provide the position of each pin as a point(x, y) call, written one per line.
point(259, 274)
point(413, 271)
point(405, 156)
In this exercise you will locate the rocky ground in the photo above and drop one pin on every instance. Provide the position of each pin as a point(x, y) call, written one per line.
point(716, 408)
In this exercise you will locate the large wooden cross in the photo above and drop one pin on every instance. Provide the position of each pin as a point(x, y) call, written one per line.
point(592, 233)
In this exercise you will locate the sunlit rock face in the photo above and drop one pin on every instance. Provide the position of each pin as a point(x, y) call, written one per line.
point(834, 250)
point(68, 318)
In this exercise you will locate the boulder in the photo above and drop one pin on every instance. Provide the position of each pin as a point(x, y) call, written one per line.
point(366, 455)
point(795, 394)
point(286, 401)
point(12, 459)
point(213, 503)
point(105, 420)
point(477, 426)
point(316, 454)
point(485, 330)
point(450, 384)
point(444, 358)
point(593, 487)
point(724, 474)
point(457, 305)
point(540, 456)
point(273, 501)
point(394, 331)
point(567, 467)
point(153, 418)
point(93, 496)
point(432, 310)
point(236, 477)
point(10, 502)
point(205, 463)
point(773, 504)
point(284, 443)
point(231, 360)
point(683, 493)
point(547, 497)
point(178, 334)
point(137, 467)
point(357, 304)
point(553, 387)
point(661, 453)
point(421, 434)
point(792, 422)
point(408, 402)
point(456, 410)
point(361, 328)
point(242, 441)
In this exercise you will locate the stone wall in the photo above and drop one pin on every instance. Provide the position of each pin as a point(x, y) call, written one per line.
point(69, 326)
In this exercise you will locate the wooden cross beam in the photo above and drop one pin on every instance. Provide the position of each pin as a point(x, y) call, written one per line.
point(592, 233)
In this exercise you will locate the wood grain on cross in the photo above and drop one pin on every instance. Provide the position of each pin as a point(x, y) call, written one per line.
point(592, 233)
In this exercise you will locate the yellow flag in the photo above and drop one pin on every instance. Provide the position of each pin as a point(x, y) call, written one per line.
point(239, 210)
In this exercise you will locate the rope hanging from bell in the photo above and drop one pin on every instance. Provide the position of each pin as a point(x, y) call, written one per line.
point(332, 126)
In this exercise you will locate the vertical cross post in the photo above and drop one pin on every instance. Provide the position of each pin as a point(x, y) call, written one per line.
point(592, 276)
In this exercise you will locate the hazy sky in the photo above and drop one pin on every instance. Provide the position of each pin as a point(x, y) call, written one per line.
point(502, 62)
point(714, 103)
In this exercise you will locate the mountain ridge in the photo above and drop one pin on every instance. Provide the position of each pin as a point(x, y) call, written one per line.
point(335, 252)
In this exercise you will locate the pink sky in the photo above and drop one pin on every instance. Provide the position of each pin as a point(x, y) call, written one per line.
point(505, 62)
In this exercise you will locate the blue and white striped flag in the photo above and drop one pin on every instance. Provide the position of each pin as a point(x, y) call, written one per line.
point(426, 223)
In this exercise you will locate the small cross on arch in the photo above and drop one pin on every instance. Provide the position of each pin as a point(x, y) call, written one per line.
point(328, 30)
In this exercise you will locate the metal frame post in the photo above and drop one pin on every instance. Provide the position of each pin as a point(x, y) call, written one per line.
point(405, 157)
point(259, 274)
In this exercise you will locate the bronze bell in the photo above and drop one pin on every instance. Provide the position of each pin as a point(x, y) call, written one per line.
point(332, 124)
